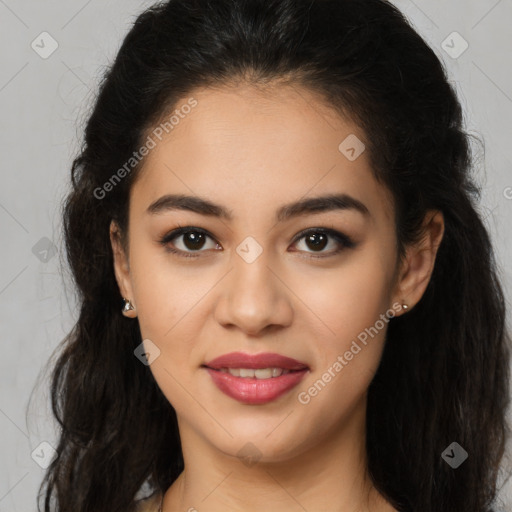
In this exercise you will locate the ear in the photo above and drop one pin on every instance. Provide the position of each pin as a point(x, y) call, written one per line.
point(121, 267)
point(419, 261)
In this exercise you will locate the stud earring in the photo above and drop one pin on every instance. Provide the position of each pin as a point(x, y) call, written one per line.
point(128, 306)
point(405, 306)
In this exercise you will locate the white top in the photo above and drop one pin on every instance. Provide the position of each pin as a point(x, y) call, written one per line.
point(152, 503)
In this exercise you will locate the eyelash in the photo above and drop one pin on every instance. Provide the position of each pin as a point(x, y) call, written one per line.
point(345, 241)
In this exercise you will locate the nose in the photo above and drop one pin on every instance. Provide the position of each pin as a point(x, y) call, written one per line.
point(254, 298)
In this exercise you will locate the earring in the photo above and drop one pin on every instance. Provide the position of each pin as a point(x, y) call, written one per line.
point(128, 306)
point(405, 306)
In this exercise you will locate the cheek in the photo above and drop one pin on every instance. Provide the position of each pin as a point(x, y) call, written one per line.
point(166, 292)
point(346, 300)
point(172, 301)
point(346, 361)
point(345, 309)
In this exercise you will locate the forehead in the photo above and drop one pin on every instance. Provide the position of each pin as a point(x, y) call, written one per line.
point(250, 148)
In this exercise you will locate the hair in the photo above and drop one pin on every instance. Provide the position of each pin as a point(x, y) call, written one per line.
point(443, 375)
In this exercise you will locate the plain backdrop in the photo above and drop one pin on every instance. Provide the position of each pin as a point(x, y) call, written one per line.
point(44, 102)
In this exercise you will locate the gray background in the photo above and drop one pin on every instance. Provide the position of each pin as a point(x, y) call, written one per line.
point(44, 104)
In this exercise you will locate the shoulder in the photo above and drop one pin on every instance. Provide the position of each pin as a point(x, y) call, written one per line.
point(149, 504)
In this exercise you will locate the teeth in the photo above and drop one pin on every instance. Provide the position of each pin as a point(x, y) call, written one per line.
point(260, 373)
point(278, 371)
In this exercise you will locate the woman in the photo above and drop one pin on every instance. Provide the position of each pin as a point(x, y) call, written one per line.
point(288, 300)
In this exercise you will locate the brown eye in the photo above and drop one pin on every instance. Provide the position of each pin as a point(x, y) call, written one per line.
point(317, 239)
point(193, 240)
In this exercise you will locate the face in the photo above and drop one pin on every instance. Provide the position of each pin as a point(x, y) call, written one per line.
point(307, 283)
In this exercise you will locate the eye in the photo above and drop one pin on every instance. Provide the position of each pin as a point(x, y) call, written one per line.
point(193, 239)
point(315, 238)
point(318, 239)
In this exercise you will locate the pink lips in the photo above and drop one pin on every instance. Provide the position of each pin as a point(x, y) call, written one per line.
point(252, 390)
point(263, 360)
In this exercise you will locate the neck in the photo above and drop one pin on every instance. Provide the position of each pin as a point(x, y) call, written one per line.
point(330, 475)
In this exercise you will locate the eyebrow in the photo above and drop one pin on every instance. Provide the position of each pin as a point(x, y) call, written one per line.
point(331, 202)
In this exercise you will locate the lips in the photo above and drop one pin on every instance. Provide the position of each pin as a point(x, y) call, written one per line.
point(255, 361)
point(255, 391)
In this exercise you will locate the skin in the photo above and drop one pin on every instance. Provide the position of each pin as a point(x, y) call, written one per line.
point(252, 154)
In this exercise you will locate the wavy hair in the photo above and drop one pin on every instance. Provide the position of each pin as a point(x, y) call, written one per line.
point(443, 376)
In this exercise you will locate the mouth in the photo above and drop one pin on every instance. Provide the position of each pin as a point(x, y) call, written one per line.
point(255, 379)
point(243, 362)
point(252, 373)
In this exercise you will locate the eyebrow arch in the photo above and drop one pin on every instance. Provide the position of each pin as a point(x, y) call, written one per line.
point(203, 206)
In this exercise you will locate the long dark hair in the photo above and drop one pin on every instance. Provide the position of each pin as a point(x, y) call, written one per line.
point(444, 375)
